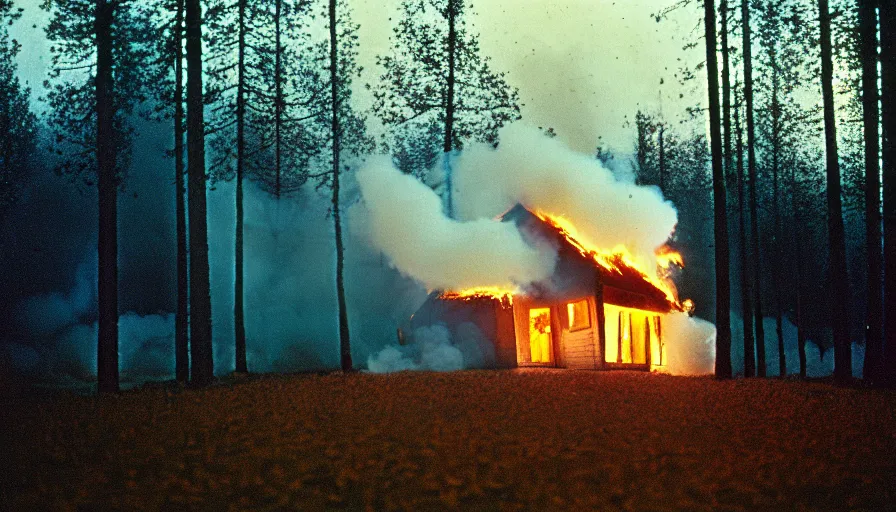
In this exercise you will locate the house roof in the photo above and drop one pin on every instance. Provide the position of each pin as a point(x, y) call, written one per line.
point(624, 285)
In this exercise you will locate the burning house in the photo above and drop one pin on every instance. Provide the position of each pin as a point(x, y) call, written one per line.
point(597, 310)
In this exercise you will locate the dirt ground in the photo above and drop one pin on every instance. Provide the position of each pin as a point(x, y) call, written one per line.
point(492, 440)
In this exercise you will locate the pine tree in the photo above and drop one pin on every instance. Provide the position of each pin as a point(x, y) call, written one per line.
point(166, 72)
point(836, 242)
point(181, 319)
point(870, 125)
point(17, 122)
point(96, 80)
point(888, 174)
point(782, 65)
point(201, 358)
point(747, 49)
point(345, 131)
point(720, 198)
point(745, 281)
point(260, 87)
point(437, 82)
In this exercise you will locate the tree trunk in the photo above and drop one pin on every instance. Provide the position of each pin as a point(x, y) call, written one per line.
point(798, 245)
point(107, 183)
point(202, 367)
point(776, 213)
point(448, 146)
point(751, 167)
point(888, 118)
point(345, 350)
point(837, 245)
point(723, 301)
point(746, 306)
point(641, 127)
point(726, 92)
point(871, 120)
point(239, 310)
point(181, 321)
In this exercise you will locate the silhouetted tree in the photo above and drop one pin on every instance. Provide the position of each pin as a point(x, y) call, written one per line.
point(837, 246)
point(261, 87)
point(346, 132)
point(747, 50)
point(201, 359)
point(782, 65)
point(17, 123)
point(96, 79)
point(888, 147)
point(181, 318)
point(224, 34)
point(166, 72)
point(745, 282)
point(870, 123)
point(723, 287)
point(435, 75)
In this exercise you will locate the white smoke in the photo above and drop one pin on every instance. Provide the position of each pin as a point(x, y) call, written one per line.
point(405, 220)
point(690, 345)
point(432, 349)
point(543, 173)
point(290, 300)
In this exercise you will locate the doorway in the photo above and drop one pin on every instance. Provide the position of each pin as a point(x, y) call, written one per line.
point(540, 340)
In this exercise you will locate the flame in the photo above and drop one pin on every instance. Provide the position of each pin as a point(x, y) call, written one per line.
point(619, 256)
point(481, 292)
point(666, 257)
point(618, 259)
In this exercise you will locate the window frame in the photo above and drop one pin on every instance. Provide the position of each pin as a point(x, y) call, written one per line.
point(588, 325)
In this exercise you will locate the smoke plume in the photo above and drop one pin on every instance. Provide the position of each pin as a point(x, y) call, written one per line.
point(542, 173)
point(406, 221)
point(690, 345)
point(435, 349)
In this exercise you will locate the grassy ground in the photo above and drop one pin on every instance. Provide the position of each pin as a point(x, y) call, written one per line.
point(475, 440)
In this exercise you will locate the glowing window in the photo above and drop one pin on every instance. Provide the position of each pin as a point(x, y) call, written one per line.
point(579, 317)
point(540, 335)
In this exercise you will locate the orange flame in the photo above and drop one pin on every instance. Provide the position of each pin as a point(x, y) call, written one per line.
point(483, 292)
point(666, 257)
point(619, 256)
point(617, 259)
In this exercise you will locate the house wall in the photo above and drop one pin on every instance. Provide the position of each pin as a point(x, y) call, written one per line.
point(505, 338)
point(492, 317)
point(571, 349)
point(580, 348)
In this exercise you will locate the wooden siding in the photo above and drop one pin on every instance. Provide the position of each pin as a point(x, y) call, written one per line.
point(505, 338)
point(579, 347)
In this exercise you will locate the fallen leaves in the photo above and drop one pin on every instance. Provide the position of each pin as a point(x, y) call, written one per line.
point(498, 440)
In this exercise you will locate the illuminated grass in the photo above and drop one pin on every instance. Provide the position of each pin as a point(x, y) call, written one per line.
point(493, 439)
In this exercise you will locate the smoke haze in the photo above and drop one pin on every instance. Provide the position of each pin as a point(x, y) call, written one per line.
point(543, 173)
point(405, 220)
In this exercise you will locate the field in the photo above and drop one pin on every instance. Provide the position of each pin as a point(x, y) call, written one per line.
point(495, 440)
